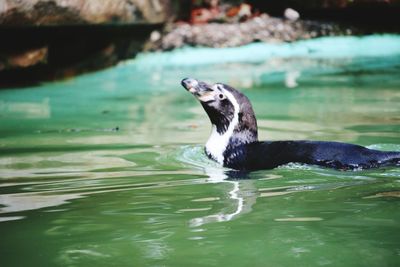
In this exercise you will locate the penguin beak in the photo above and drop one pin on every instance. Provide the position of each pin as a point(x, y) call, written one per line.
point(201, 90)
point(190, 85)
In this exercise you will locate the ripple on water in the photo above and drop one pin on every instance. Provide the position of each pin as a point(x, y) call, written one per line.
point(194, 155)
point(130, 172)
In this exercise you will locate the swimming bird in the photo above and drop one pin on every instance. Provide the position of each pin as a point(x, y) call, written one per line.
point(234, 143)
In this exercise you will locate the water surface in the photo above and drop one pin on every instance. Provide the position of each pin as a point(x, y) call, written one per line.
point(108, 169)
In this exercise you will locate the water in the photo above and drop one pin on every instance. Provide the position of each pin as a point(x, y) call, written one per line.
point(107, 169)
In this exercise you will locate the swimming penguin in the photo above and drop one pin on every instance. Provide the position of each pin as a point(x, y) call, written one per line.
point(234, 142)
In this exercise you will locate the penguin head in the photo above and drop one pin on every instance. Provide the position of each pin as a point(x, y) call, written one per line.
point(214, 99)
point(230, 112)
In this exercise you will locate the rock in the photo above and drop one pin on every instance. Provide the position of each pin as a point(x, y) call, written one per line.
point(53, 39)
point(261, 28)
point(26, 58)
point(155, 36)
point(62, 12)
point(291, 14)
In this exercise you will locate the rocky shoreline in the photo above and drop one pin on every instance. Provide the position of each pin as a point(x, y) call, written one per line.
point(263, 28)
point(54, 39)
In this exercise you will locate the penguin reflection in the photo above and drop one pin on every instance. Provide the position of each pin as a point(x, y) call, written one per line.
point(242, 195)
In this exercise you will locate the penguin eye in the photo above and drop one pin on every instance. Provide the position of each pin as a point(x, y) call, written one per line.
point(221, 96)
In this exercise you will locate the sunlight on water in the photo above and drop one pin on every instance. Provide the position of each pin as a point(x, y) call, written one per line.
point(108, 168)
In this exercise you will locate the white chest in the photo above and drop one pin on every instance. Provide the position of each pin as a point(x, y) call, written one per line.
point(217, 144)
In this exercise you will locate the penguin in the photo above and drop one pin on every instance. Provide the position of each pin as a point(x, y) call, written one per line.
point(234, 143)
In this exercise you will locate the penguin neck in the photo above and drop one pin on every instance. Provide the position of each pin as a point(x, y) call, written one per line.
point(233, 129)
point(237, 133)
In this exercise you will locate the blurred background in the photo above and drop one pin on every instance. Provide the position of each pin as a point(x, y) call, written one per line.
point(47, 40)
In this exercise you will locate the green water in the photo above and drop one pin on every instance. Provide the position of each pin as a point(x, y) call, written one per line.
point(107, 169)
